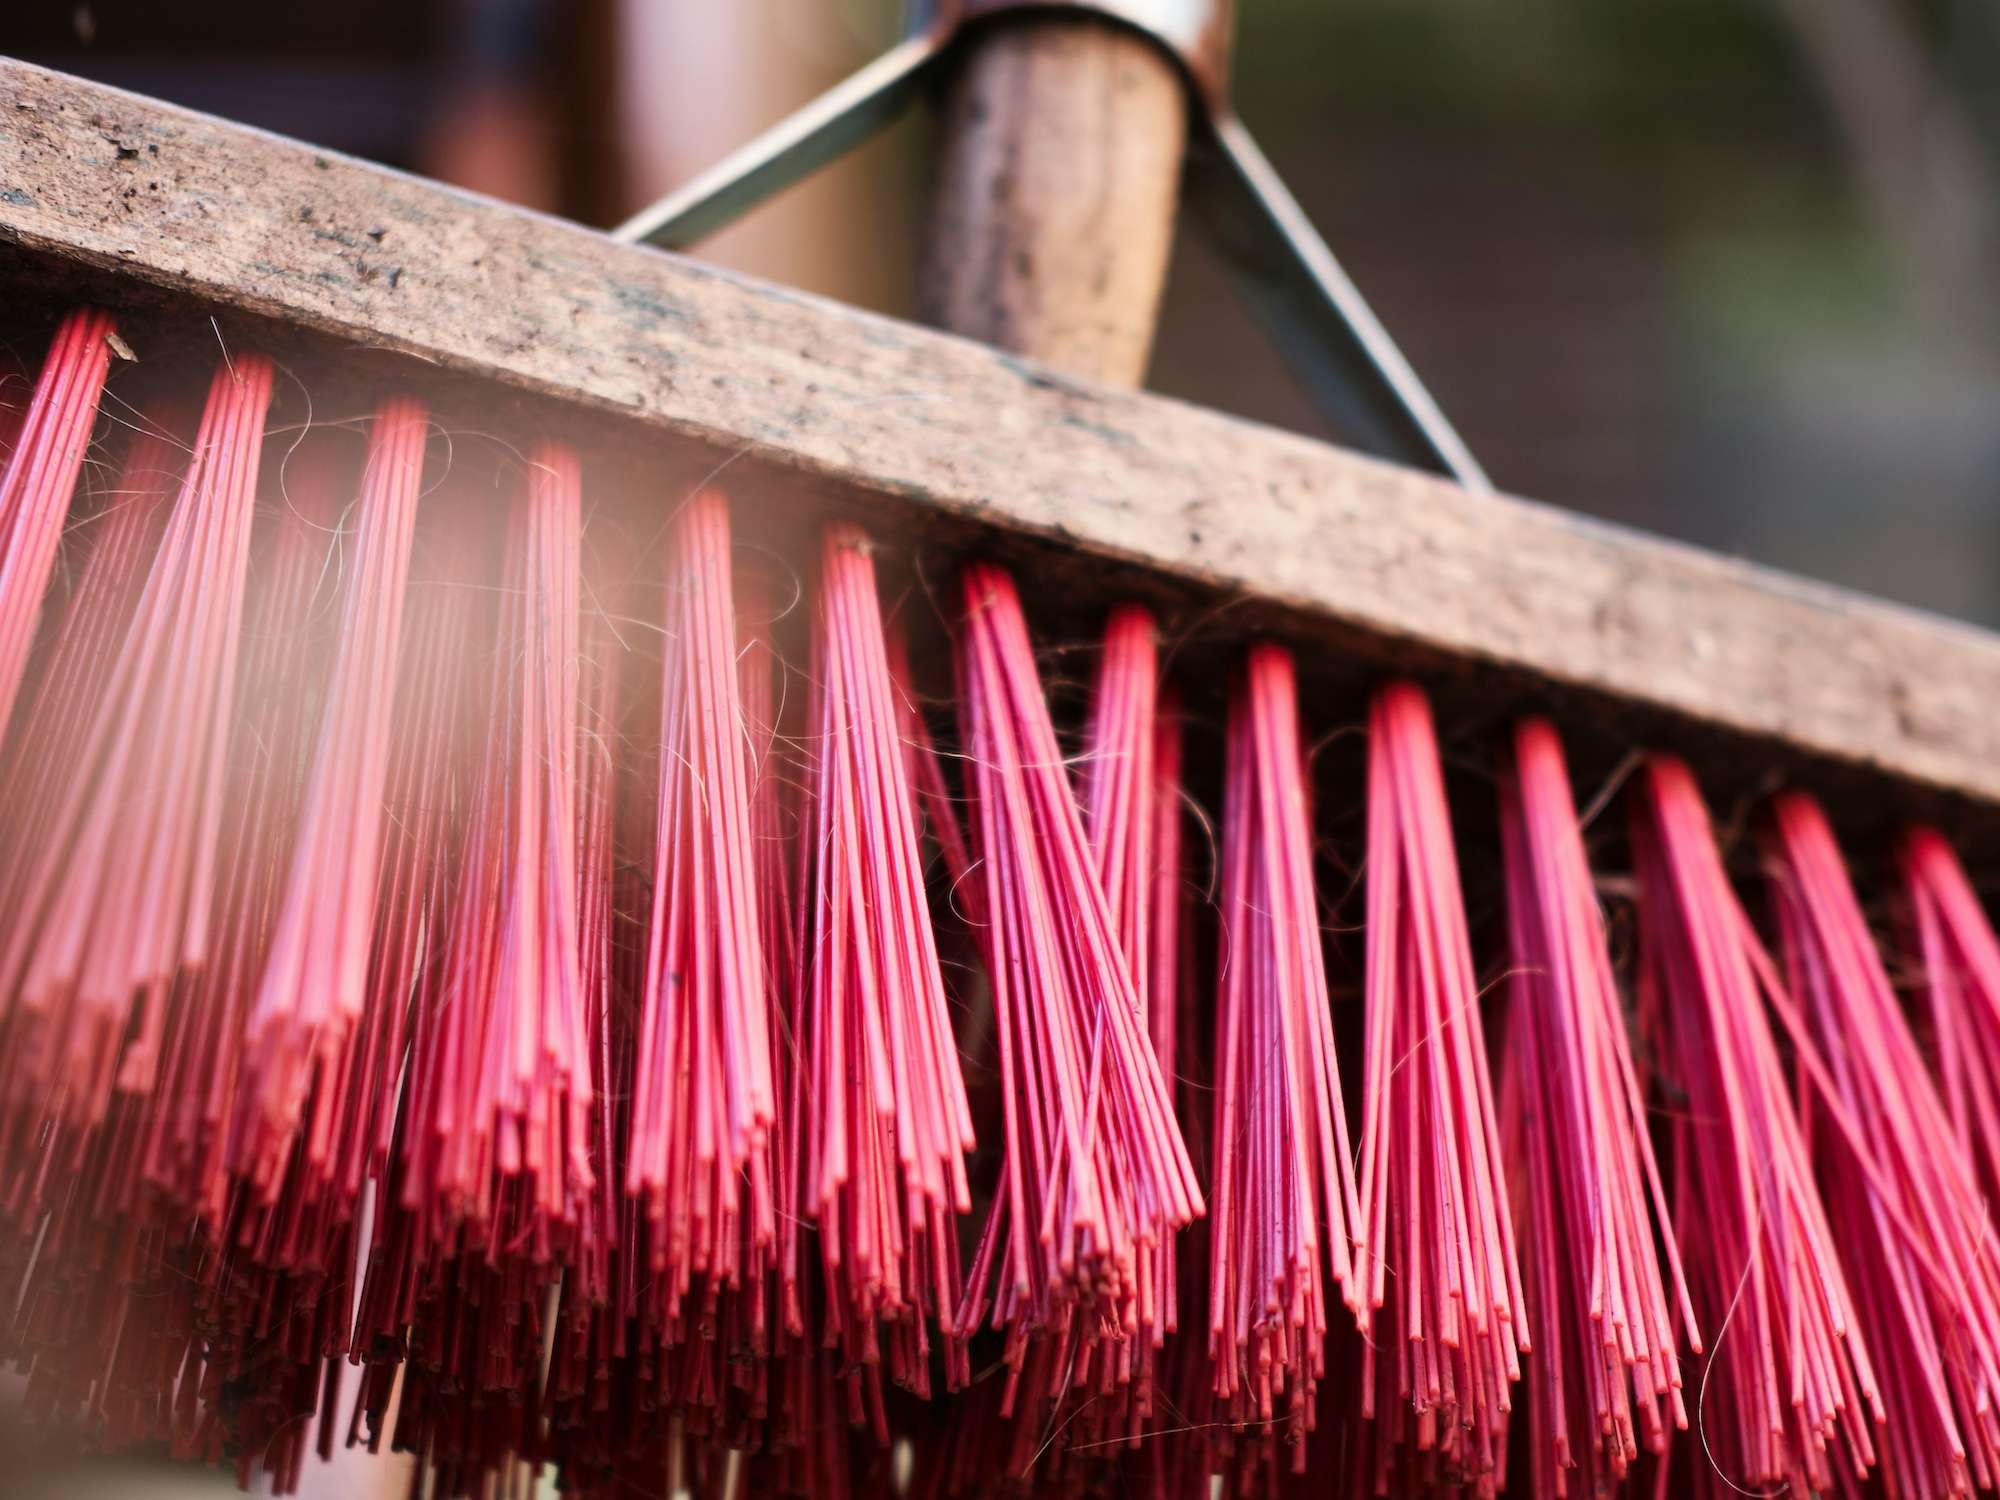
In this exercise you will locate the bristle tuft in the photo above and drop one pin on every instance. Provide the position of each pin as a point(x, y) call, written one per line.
point(1437, 1280)
point(1285, 1208)
point(887, 1122)
point(1096, 1172)
point(1789, 1393)
point(1605, 1380)
point(1914, 1231)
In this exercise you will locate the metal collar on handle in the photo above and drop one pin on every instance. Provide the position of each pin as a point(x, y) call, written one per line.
point(1196, 32)
point(1314, 311)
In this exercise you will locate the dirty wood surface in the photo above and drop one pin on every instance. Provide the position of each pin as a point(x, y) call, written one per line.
point(1331, 545)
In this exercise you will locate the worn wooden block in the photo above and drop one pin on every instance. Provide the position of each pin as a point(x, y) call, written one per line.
point(1368, 567)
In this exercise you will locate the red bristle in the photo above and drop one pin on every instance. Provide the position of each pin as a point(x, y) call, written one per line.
point(703, 1099)
point(499, 1125)
point(121, 894)
point(492, 1189)
point(927, 780)
point(39, 479)
point(1914, 1232)
point(1284, 1193)
point(1435, 1238)
point(324, 964)
point(188, 1154)
point(813, 1370)
point(1961, 996)
point(255, 1326)
point(1789, 1380)
point(1131, 796)
point(65, 688)
point(67, 678)
point(428, 790)
point(889, 1125)
point(1605, 1379)
point(781, 872)
point(135, 1249)
point(17, 389)
point(310, 996)
point(589, 1276)
point(1095, 1172)
point(433, 775)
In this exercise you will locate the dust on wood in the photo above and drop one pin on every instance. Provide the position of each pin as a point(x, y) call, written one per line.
point(944, 446)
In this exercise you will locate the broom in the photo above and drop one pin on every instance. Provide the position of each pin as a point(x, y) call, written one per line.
point(535, 968)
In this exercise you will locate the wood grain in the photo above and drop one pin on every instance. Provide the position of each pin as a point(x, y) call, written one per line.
point(1350, 557)
point(1052, 214)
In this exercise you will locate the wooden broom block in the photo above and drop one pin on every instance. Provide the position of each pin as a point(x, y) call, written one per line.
point(1377, 565)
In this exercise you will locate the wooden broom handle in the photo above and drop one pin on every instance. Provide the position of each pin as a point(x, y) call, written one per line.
point(1053, 212)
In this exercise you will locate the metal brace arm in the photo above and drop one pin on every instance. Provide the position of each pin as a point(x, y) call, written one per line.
point(1313, 310)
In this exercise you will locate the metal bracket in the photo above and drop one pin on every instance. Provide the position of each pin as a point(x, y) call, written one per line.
point(1315, 313)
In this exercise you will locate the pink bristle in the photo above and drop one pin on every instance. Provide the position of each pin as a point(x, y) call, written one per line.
point(776, 1308)
point(577, 1371)
point(1438, 1282)
point(703, 1102)
point(598, 924)
point(310, 996)
point(1131, 797)
point(191, 1155)
point(65, 688)
point(1914, 1233)
point(255, 1275)
point(46, 454)
point(66, 681)
point(1284, 1200)
point(428, 801)
point(1961, 995)
point(1790, 1385)
point(1605, 1380)
point(885, 1116)
point(140, 1264)
point(494, 1194)
point(1095, 1171)
point(501, 1124)
point(120, 897)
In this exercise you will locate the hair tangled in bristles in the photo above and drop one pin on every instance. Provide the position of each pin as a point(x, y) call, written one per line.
point(1790, 1385)
point(1438, 1284)
point(121, 896)
point(310, 998)
point(38, 479)
point(1095, 1172)
point(1605, 1380)
point(703, 1104)
point(1914, 1231)
point(1130, 789)
point(1960, 992)
point(62, 699)
point(883, 1107)
point(500, 1088)
point(1284, 1199)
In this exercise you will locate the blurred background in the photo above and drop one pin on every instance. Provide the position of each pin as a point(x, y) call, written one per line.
point(1723, 269)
